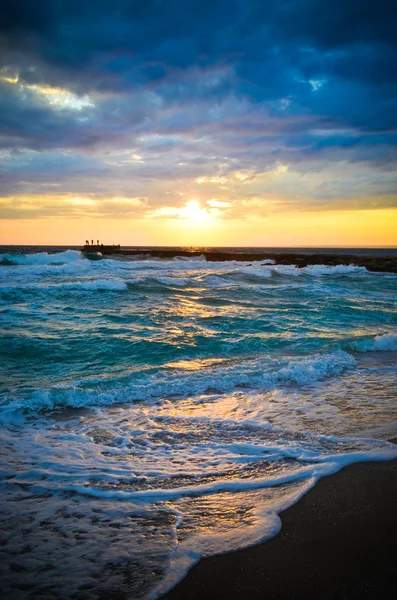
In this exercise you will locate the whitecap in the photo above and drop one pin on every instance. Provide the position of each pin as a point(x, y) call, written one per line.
point(45, 258)
point(176, 382)
point(381, 343)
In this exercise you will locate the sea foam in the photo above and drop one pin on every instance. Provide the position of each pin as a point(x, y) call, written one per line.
point(171, 409)
point(386, 342)
point(252, 374)
point(44, 258)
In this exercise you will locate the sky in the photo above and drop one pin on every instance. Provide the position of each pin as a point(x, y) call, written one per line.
point(196, 122)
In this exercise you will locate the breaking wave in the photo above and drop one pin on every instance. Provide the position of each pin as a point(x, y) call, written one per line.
point(210, 396)
point(43, 258)
point(174, 382)
point(382, 343)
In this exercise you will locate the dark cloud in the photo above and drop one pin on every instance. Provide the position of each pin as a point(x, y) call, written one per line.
point(144, 41)
point(179, 80)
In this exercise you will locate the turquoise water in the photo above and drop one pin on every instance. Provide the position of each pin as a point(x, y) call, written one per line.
point(155, 411)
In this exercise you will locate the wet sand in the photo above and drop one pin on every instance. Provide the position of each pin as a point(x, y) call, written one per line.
point(338, 542)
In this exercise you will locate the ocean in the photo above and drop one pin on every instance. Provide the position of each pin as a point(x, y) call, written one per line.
point(153, 412)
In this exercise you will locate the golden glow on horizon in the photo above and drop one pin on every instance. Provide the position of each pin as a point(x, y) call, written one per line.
point(332, 228)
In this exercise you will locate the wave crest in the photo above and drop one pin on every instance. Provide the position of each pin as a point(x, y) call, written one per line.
point(382, 343)
point(42, 258)
point(176, 382)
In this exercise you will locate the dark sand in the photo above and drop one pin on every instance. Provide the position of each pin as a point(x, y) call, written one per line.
point(339, 541)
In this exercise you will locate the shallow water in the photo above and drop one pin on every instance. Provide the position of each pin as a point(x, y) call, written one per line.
point(155, 411)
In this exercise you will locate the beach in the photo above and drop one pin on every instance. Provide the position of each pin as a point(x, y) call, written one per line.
point(337, 542)
point(198, 300)
point(158, 414)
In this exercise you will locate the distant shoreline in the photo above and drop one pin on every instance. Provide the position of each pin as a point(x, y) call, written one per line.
point(371, 263)
point(259, 249)
point(375, 260)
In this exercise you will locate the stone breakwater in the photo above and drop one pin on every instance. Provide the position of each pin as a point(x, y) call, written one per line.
point(387, 264)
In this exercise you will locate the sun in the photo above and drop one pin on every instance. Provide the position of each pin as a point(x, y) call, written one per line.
point(194, 212)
